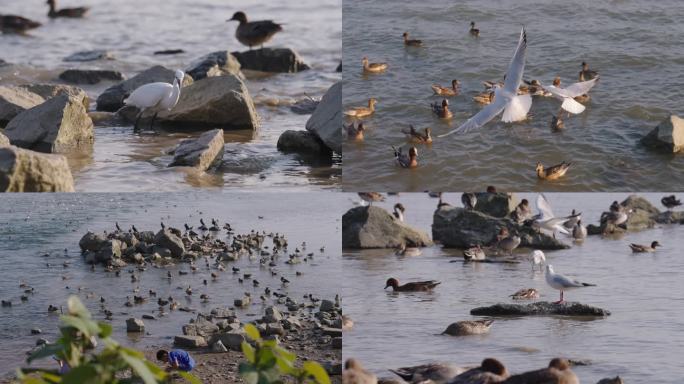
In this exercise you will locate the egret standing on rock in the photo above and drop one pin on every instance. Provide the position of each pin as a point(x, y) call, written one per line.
point(156, 97)
point(252, 33)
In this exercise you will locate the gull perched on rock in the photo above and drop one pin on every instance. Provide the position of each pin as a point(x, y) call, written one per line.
point(506, 98)
point(562, 283)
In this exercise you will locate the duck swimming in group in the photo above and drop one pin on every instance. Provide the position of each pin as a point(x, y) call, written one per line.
point(251, 33)
point(558, 371)
point(418, 137)
point(65, 12)
point(586, 73)
point(437, 373)
point(416, 286)
point(359, 112)
point(490, 371)
point(442, 111)
point(17, 24)
point(474, 31)
point(447, 91)
point(411, 42)
point(354, 132)
point(406, 160)
point(638, 248)
point(468, 327)
point(373, 67)
point(553, 172)
point(484, 98)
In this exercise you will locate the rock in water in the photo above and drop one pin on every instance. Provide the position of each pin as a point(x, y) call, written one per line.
point(58, 125)
point(164, 238)
point(271, 60)
point(4, 141)
point(304, 143)
point(22, 170)
point(201, 152)
point(540, 308)
point(90, 76)
point(374, 227)
point(456, 227)
point(112, 98)
point(91, 242)
point(326, 121)
point(98, 54)
point(668, 136)
point(644, 216)
point(214, 64)
point(14, 100)
point(189, 342)
point(135, 325)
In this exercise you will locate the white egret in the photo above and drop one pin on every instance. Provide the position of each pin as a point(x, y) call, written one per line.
point(156, 97)
point(562, 283)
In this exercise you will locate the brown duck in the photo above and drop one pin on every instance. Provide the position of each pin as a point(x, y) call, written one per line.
point(359, 112)
point(251, 33)
point(474, 31)
point(373, 67)
point(447, 91)
point(558, 372)
point(354, 133)
point(490, 371)
point(406, 160)
point(16, 24)
point(553, 172)
point(442, 110)
point(65, 12)
point(411, 42)
point(416, 136)
point(416, 286)
point(638, 248)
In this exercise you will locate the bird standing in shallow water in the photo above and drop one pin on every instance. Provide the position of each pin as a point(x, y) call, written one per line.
point(251, 33)
point(65, 12)
point(156, 96)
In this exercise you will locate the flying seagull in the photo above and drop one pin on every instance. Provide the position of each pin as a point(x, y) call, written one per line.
point(506, 99)
point(567, 95)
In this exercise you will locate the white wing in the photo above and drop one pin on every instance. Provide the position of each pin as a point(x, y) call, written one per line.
point(481, 118)
point(149, 95)
point(517, 109)
point(581, 88)
point(544, 207)
point(517, 65)
point(565, 281)
point(572, 106)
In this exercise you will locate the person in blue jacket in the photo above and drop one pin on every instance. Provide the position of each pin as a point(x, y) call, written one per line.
point(177, 359)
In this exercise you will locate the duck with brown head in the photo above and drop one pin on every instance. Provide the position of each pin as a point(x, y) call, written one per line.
point(16, 24)
point(416, 286)
point(411, 42)
point(251, 33)
point(558, 372)
point(442, 110)
point(65, 12)
point(490, 371)
point(406, 160)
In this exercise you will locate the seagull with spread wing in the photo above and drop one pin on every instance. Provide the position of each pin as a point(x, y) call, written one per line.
point(545, 219)
point(506, 98)
point(567, 95)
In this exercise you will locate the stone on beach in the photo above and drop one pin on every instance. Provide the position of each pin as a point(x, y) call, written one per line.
point(326, 121)
point(165, 238)
point(231, 340)
point(48, 91)
point(190, 342)
point(201, 152)
point(271, 60)
point(58, 125)
point(90, 76)
point(14, 100)
point(214, 64)
point(374, 227)
point(304, 143)
point(540, 308)
point(98, 54)
point(22, 170)
point(668, 136)
point(4, 141)
point(135, 325)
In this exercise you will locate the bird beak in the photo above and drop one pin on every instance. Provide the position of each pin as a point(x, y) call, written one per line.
point(231, 19)
point(386, 286)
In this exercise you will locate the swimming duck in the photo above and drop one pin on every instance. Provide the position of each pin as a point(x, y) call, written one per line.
point(485, 98)
point(447, 91)
point(405, 160)
point(579, 231)
point(553, 172)
point(490, 371)
point(442, 110)
point(670, 201)
point(371, 197)
point(468, 327)
point(354, 133)
point(474, 253)
point(474, 31)
point(416, 136)
point(557, 122)
point(558, 371)
point(252, 33)
point(373, 67)
point(436, 373)
point(525, 294)
point(535, 88)
point(586, 73)
point(359, 112)
point(614, 380)
point(415, 286)
point(411, 43)
point(638, 248)
point(65, 12)
point(355, 374)
point(399, 211)
point(16, 24)
point(408, 251)
point(469, 200)
point(573, 218)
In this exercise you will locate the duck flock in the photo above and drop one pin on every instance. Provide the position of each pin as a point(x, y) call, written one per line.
point(510, 98)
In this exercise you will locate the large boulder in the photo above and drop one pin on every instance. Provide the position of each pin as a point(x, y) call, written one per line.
point(90, 76)
point(109, 250)
point(165, 238)
point(214, 64)
point(456, 227)
point(232, 340)
point(643, 216)
point(14, 100)
point(4, 141)
point(374, 227)
point(668, 136)
point(302, 142)
point(189, 342)
point(496, 204)
point(326, 121)
point(135, 325)
point(540, 308)
point(201, 152)
point(271, 60)
point(91, 242)
point(48, 91)
point(22, 170)
point(112, 99)
point(58, 125)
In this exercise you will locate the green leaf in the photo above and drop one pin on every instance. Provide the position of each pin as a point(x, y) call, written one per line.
point(317, 371)
point(287, 355)
point(45, 351)
point(189, 377)
point(252, 332)
point(140, 368)
point(87, 327)
point(248, 351)
point(249, 374)
point(81, 374)
point(76, 307)
point(105, 329)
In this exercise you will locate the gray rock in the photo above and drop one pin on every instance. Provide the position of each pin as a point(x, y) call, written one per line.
point(643, 216)
point(222, 101)
point(243, 302)
point(164, 238)
point(48, 91)
point(327, 306)
point(112, 98)
point(271, 60)
point(4, 141)
point(334, 332)
point(189, 341)
point(22, 170)
point(302, 142)
point(214, 64)
point(90, 76)
point(456, 227)
point(129, 239)
point(146, 236)
point(374, 227)
point(14, 100)
point(98, 54)
point(337, 343)
point(232, 340)
point(58, 125)
point(496, 204)
point(91, 242)
point(222, 313)
point(202, 152)
point(272, 314)
point(326, 121)
point(540, 308)
point(135, 325)
point(218, 347)
point(201, 327)
point(110, 249)
point(668, 136)
point(274, 329)
point(149, 317)
point(339, 67)
point(3, 63)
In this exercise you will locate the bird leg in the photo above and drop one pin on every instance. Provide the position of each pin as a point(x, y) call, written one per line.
point(561, 301)
point(152, 122)
point(135, 126)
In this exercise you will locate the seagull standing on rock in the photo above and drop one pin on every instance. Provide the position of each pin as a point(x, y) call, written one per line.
point(562, 283)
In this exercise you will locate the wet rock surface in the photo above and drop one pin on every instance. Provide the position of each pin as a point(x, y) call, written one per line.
point(667, 137)
point(214, 64)
point(23, 170)
point(271, 60)
point(14, 100)
point(495, 204)
point(540, 308)
point(374, 227)
point(202, 152)
point(304, 143)
point(326, 121)
point(90, 76)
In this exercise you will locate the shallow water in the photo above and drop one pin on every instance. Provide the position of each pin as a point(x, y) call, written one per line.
point(641, 341)
point(32, 225)
point(133, 30)
point(634, 45)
